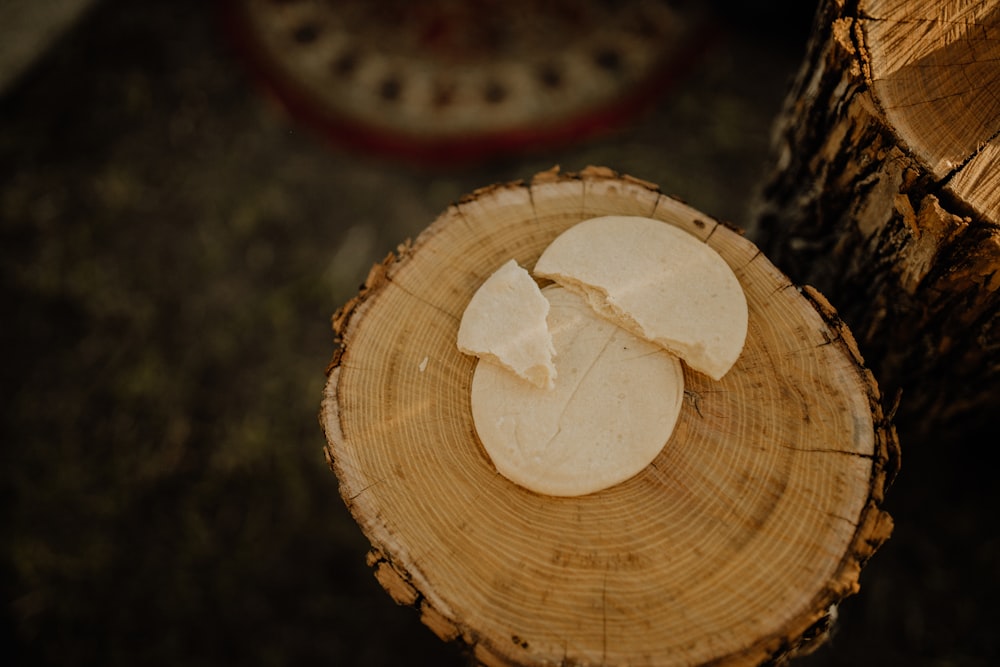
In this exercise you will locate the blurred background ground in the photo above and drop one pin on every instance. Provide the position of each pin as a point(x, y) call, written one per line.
point(172, 246)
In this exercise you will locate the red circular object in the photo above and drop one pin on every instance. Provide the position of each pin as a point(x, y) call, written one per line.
point(455, 81)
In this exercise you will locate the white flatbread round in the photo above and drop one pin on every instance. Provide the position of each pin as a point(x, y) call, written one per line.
point(657, 281)
point(613, 407)
point(505, 324)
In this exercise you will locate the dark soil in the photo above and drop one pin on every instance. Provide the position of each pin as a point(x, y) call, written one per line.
point(171, 249)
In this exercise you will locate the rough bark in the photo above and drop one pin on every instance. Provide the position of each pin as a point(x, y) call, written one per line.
point(733, 547)
point(885, 197)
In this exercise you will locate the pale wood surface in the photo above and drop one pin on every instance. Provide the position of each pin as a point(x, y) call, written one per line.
point(935, 72)
point(731, 546)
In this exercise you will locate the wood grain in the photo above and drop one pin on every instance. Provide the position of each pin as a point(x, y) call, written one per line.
point(731, 547)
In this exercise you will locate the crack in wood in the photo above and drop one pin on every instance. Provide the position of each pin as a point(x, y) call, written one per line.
point(424, 301)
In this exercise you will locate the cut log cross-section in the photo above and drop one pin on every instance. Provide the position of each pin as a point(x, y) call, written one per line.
point(886, 196)
point(732, 547)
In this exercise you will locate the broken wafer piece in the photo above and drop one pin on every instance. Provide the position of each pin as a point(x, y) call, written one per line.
point(658, 282)
point(613, 407)
point(504, 323)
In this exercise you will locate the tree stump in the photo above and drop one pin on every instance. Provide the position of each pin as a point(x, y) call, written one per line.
point(732, 547)
point(886, 196)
